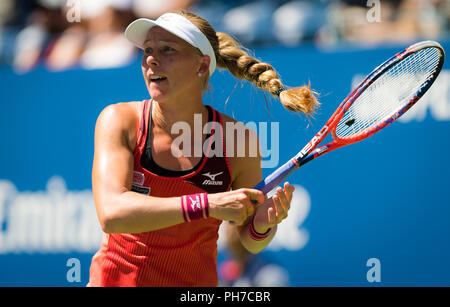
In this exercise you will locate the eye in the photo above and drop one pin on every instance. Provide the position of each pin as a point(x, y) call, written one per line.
point(148, 50)
point(167, 49)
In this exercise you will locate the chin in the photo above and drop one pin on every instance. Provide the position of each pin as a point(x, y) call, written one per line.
point(154, 93)
point(157, 95)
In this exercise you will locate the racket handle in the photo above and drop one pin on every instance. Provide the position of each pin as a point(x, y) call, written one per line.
point(274, 179)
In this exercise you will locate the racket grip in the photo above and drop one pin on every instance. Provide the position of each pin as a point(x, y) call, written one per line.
point(274, 179)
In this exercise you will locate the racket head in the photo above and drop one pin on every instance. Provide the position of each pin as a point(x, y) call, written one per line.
point(388, 92)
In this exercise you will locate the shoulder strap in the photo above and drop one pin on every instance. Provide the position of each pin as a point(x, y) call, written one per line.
point(148, 142)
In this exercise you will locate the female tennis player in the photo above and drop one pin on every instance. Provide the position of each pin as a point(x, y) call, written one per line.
point(161, 211)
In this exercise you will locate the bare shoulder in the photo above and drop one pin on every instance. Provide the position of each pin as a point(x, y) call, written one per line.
point(233, 126)
point(242, 146)
point(120, 110)
point(227, 118)
point(120, 118)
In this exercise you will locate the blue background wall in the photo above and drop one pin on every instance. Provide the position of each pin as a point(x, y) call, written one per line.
point(387, 197)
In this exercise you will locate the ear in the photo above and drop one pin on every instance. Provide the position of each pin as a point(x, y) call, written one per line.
point(204, 64)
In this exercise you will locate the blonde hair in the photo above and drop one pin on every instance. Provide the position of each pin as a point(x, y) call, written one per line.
point(232, 56)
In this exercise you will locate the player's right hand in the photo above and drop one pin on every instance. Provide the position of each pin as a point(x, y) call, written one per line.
point(235, 206)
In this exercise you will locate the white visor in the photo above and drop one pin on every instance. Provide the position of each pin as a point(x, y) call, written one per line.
point(176, 24)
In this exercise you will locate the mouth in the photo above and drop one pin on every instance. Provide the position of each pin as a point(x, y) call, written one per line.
point(157, 78)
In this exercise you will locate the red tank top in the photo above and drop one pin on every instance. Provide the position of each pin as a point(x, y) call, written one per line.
point(181, 255)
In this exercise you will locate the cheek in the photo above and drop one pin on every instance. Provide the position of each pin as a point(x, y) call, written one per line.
point(144, 69)
point(182, 67)
point(185, 73)
point(144, 75)
point(144, 66)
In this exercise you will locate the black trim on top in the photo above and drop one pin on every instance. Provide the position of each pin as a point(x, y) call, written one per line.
point(149, 164)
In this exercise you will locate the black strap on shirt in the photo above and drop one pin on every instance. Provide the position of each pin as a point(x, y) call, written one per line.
point(147, 161)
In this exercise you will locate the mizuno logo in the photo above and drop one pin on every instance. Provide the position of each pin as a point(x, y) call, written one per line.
point(212, 178)
point(195, 204)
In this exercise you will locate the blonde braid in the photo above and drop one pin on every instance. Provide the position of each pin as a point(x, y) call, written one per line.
point(232, 56)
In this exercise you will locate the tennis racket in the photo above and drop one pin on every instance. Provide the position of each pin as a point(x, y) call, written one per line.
point(382, 97)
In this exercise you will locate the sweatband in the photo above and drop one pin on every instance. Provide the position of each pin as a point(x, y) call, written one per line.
point(254, 234)
point(195, 206)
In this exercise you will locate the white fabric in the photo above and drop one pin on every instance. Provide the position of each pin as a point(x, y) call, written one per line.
point(176, 24)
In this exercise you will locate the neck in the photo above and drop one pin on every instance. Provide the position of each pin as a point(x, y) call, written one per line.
point(165, 115)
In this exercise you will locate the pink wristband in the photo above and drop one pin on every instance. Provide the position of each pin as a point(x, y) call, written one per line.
point(195, 206)
point(255, 235)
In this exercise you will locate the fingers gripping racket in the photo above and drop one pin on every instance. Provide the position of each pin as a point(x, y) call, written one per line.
point(381, 98)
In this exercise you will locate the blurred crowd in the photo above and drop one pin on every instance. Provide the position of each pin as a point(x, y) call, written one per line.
point(63, 34)
point(240, 268)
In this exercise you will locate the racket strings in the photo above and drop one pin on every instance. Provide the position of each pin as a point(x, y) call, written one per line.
point(383, 97)
point(389, 93)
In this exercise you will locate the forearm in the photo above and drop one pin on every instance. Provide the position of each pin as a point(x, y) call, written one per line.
point(131, 212)
point(252, 245)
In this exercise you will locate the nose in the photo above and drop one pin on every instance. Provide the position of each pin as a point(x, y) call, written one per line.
point(151, 60)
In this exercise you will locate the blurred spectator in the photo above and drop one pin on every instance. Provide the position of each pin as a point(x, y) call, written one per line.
point(14, 12)
point(209, 10)
point(97, 41)
point(6, 12)
point(66, 47)
point(298, 20)
point(44, 21)
point(6, 37)
point(443, 6)
point(94, 43)
point(107, 46)
point(155, 8)
point(32, 31)
point(398, 21)
point(251, 22)
point(419, 19)
point(243, 269)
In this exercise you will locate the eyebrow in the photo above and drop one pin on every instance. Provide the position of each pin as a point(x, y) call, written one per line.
point(161, 41)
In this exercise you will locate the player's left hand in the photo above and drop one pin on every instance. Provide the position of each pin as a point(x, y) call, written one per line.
point(274, 210)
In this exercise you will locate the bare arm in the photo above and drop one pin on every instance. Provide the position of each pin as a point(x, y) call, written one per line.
point(118, 208)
